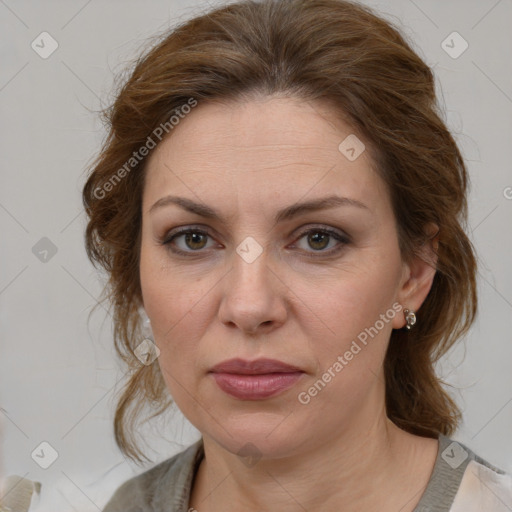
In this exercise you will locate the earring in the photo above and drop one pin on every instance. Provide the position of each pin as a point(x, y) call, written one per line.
point(410, 319)
point(146, 351)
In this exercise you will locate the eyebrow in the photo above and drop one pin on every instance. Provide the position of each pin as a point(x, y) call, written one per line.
point(288, 213)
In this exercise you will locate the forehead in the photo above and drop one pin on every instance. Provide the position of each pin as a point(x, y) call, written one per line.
point(285, 125)
point(286, 145)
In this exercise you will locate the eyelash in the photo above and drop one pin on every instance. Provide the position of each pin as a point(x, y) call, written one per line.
point(342, 238)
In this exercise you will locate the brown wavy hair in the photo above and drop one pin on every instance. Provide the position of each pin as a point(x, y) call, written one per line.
point(326, 50)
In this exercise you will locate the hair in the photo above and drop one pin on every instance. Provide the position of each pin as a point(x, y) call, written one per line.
point(316, 50)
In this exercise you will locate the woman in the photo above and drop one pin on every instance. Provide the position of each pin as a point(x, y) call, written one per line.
point(279, 198)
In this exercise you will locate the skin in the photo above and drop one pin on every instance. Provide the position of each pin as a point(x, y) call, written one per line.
point(247, 160)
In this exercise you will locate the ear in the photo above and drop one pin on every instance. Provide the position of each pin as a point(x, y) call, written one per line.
point(418, 276)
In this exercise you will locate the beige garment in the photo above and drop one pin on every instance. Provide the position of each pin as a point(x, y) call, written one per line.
point(16, 494)
point(482, 489)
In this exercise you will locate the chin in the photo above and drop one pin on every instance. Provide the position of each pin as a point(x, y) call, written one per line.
point(254, 438)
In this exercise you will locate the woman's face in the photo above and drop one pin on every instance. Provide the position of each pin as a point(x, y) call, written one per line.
point(316, 288)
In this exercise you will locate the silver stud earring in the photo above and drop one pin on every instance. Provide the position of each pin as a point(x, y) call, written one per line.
point(410, 319)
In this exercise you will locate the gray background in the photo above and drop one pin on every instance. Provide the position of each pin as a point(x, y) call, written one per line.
point(58, 371)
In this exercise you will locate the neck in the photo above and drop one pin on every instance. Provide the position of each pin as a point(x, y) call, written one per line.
point(379, 468)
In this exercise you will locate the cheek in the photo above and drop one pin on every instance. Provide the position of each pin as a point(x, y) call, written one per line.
point(350, 358)
point(174, 301)
point(357, 311)
point(167, 292)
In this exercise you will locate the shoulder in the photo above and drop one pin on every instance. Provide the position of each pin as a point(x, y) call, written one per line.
point(482, 486)
point(159, 488)
point(462, 481)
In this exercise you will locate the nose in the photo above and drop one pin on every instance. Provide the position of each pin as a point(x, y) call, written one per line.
point(253, 297)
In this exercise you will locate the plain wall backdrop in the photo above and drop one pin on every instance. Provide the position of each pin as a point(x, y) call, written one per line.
point(58, 371)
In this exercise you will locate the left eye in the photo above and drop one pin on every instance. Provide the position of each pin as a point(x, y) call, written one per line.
point(319, 239)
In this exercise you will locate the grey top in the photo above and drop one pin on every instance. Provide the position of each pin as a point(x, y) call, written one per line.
point(167, 486)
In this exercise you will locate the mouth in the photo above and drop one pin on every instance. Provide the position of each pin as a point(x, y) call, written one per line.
point(256, 386)
point(255, 380)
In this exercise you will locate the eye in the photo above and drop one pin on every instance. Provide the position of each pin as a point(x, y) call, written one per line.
point(193, 240)
point(320, 238)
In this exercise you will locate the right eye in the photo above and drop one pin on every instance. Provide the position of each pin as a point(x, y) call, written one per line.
point(192, 240)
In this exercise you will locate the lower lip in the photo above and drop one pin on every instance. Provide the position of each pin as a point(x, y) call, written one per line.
point(255, 387)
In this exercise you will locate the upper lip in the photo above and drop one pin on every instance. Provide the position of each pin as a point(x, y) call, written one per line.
point(258, 366)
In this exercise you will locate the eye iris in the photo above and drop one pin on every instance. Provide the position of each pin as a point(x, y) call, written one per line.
point(194, 238)
point(318, 237)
